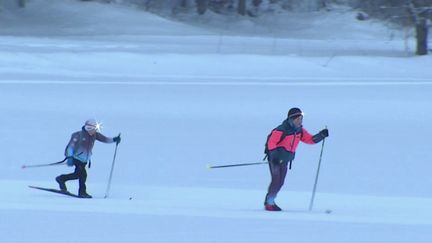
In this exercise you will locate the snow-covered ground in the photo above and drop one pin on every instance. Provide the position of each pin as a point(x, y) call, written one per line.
point(185, 96)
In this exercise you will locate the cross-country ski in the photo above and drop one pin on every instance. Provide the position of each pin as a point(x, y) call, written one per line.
point(64, 192)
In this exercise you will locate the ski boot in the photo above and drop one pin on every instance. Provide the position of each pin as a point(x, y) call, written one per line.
point(61, 183)
point(272, 207)
point(84, 194)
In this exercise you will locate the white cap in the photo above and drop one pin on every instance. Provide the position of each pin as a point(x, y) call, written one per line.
point(91, 124)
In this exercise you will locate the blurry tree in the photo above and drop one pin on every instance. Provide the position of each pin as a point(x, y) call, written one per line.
point(21, 3)
point(413, 13)
point(241, 7)
point(201, 6)
point(311, 5)
point(409, 13)
point(421, 13)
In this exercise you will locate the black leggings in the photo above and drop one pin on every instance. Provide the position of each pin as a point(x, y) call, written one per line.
point(80, 173)
point(278, 172)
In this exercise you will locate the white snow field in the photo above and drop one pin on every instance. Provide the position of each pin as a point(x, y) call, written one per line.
point(184, 97)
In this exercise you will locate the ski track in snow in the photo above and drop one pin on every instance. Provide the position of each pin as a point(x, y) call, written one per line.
point(236, 81)
point(219, 203)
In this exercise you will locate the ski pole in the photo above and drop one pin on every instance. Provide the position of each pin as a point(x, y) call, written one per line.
point(44, 165)
point(234, 165)
point(49, 164)
point(111, 173)
point(316, 177)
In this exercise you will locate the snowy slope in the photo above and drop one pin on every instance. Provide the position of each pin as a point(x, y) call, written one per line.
point(184, 97)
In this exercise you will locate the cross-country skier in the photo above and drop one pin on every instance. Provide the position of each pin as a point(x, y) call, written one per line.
point(79, 151)
point(280, 149)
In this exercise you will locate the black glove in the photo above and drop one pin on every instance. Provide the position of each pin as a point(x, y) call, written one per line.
point(324, 133)
point(117, 139)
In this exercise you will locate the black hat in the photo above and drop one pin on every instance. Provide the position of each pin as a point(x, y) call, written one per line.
point(294, 113)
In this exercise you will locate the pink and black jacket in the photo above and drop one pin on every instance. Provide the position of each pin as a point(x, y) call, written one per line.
point(283, 141)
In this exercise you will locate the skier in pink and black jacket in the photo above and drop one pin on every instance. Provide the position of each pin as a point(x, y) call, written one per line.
point(280, 149)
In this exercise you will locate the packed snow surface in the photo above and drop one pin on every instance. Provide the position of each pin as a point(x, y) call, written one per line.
point(185, 96)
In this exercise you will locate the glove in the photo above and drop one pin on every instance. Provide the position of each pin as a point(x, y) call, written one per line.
point(324, 133)
point(117, 139)
point(70, 161)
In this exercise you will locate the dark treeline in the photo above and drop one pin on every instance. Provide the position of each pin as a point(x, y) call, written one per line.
point(408, 13)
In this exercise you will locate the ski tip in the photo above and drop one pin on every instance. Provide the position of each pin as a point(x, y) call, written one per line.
point(23, 167)
point(209, 167)
point(328, 211)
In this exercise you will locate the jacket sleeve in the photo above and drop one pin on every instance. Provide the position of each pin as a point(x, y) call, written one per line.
point(274, 139)
point(70, 148)
point(308, 138)
point(102, 138)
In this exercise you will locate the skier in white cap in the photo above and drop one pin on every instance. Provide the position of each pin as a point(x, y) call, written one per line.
point(79, 151)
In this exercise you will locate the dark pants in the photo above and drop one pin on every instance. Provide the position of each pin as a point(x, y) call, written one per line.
point(80, 173)
point(278, 172)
